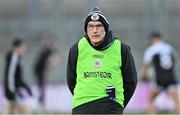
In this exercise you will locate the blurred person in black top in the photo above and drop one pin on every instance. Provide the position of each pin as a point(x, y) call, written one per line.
point(161, 56)
point(41, 65)
point(13, 82)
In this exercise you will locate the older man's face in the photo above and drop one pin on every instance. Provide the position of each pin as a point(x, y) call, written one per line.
point(96, 32)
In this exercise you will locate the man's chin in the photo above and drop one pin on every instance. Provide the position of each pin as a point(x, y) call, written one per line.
point(96, 40)
point(96, 43)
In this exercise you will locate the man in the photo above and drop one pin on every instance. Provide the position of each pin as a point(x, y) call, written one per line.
point(101, 73)
point(161, 56)
point(41, 65)
point(13, 82)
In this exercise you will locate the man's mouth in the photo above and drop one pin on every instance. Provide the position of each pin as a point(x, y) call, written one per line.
point(95, 36)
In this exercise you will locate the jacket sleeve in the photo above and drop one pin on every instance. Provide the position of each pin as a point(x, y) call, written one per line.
point(71, 67)
point(129, 73)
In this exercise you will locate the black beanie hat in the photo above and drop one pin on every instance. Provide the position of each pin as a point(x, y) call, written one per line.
point(96, 15)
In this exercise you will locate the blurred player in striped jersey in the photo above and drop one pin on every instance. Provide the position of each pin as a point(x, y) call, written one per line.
point(161, 56)
point(13, 82)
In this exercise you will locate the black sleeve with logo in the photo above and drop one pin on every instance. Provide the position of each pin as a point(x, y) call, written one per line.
point(128, 71)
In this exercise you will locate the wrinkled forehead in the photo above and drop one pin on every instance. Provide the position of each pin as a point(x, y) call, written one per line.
point(94, 23)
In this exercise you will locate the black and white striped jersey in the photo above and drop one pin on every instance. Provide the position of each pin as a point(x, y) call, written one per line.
point(13, 76)
point(162, 56)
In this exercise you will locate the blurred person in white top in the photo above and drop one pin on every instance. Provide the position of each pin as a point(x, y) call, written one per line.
point(161, 56)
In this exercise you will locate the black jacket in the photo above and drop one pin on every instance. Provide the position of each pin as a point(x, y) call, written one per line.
point(128, 70)
point(13, 67)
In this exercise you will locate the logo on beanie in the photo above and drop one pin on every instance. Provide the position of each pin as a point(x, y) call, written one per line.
point(95, 17)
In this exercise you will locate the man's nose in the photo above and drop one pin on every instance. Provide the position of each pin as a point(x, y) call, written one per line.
point(95, 29)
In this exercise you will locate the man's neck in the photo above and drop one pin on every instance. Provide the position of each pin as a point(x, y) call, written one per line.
point(157, 42)
point(16, 51)
point(97, 44)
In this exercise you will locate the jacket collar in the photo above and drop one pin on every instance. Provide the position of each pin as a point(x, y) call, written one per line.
point(108, 40)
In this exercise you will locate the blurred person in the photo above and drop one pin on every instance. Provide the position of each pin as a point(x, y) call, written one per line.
point(41, 65)
point(161, 56)
point(101, 73)
point(13, 81)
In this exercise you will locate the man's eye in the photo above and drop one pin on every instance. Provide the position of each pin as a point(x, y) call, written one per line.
point(99, 25)
point(90, 26)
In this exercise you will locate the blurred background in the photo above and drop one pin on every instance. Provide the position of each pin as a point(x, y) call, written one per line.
point(37, 21)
